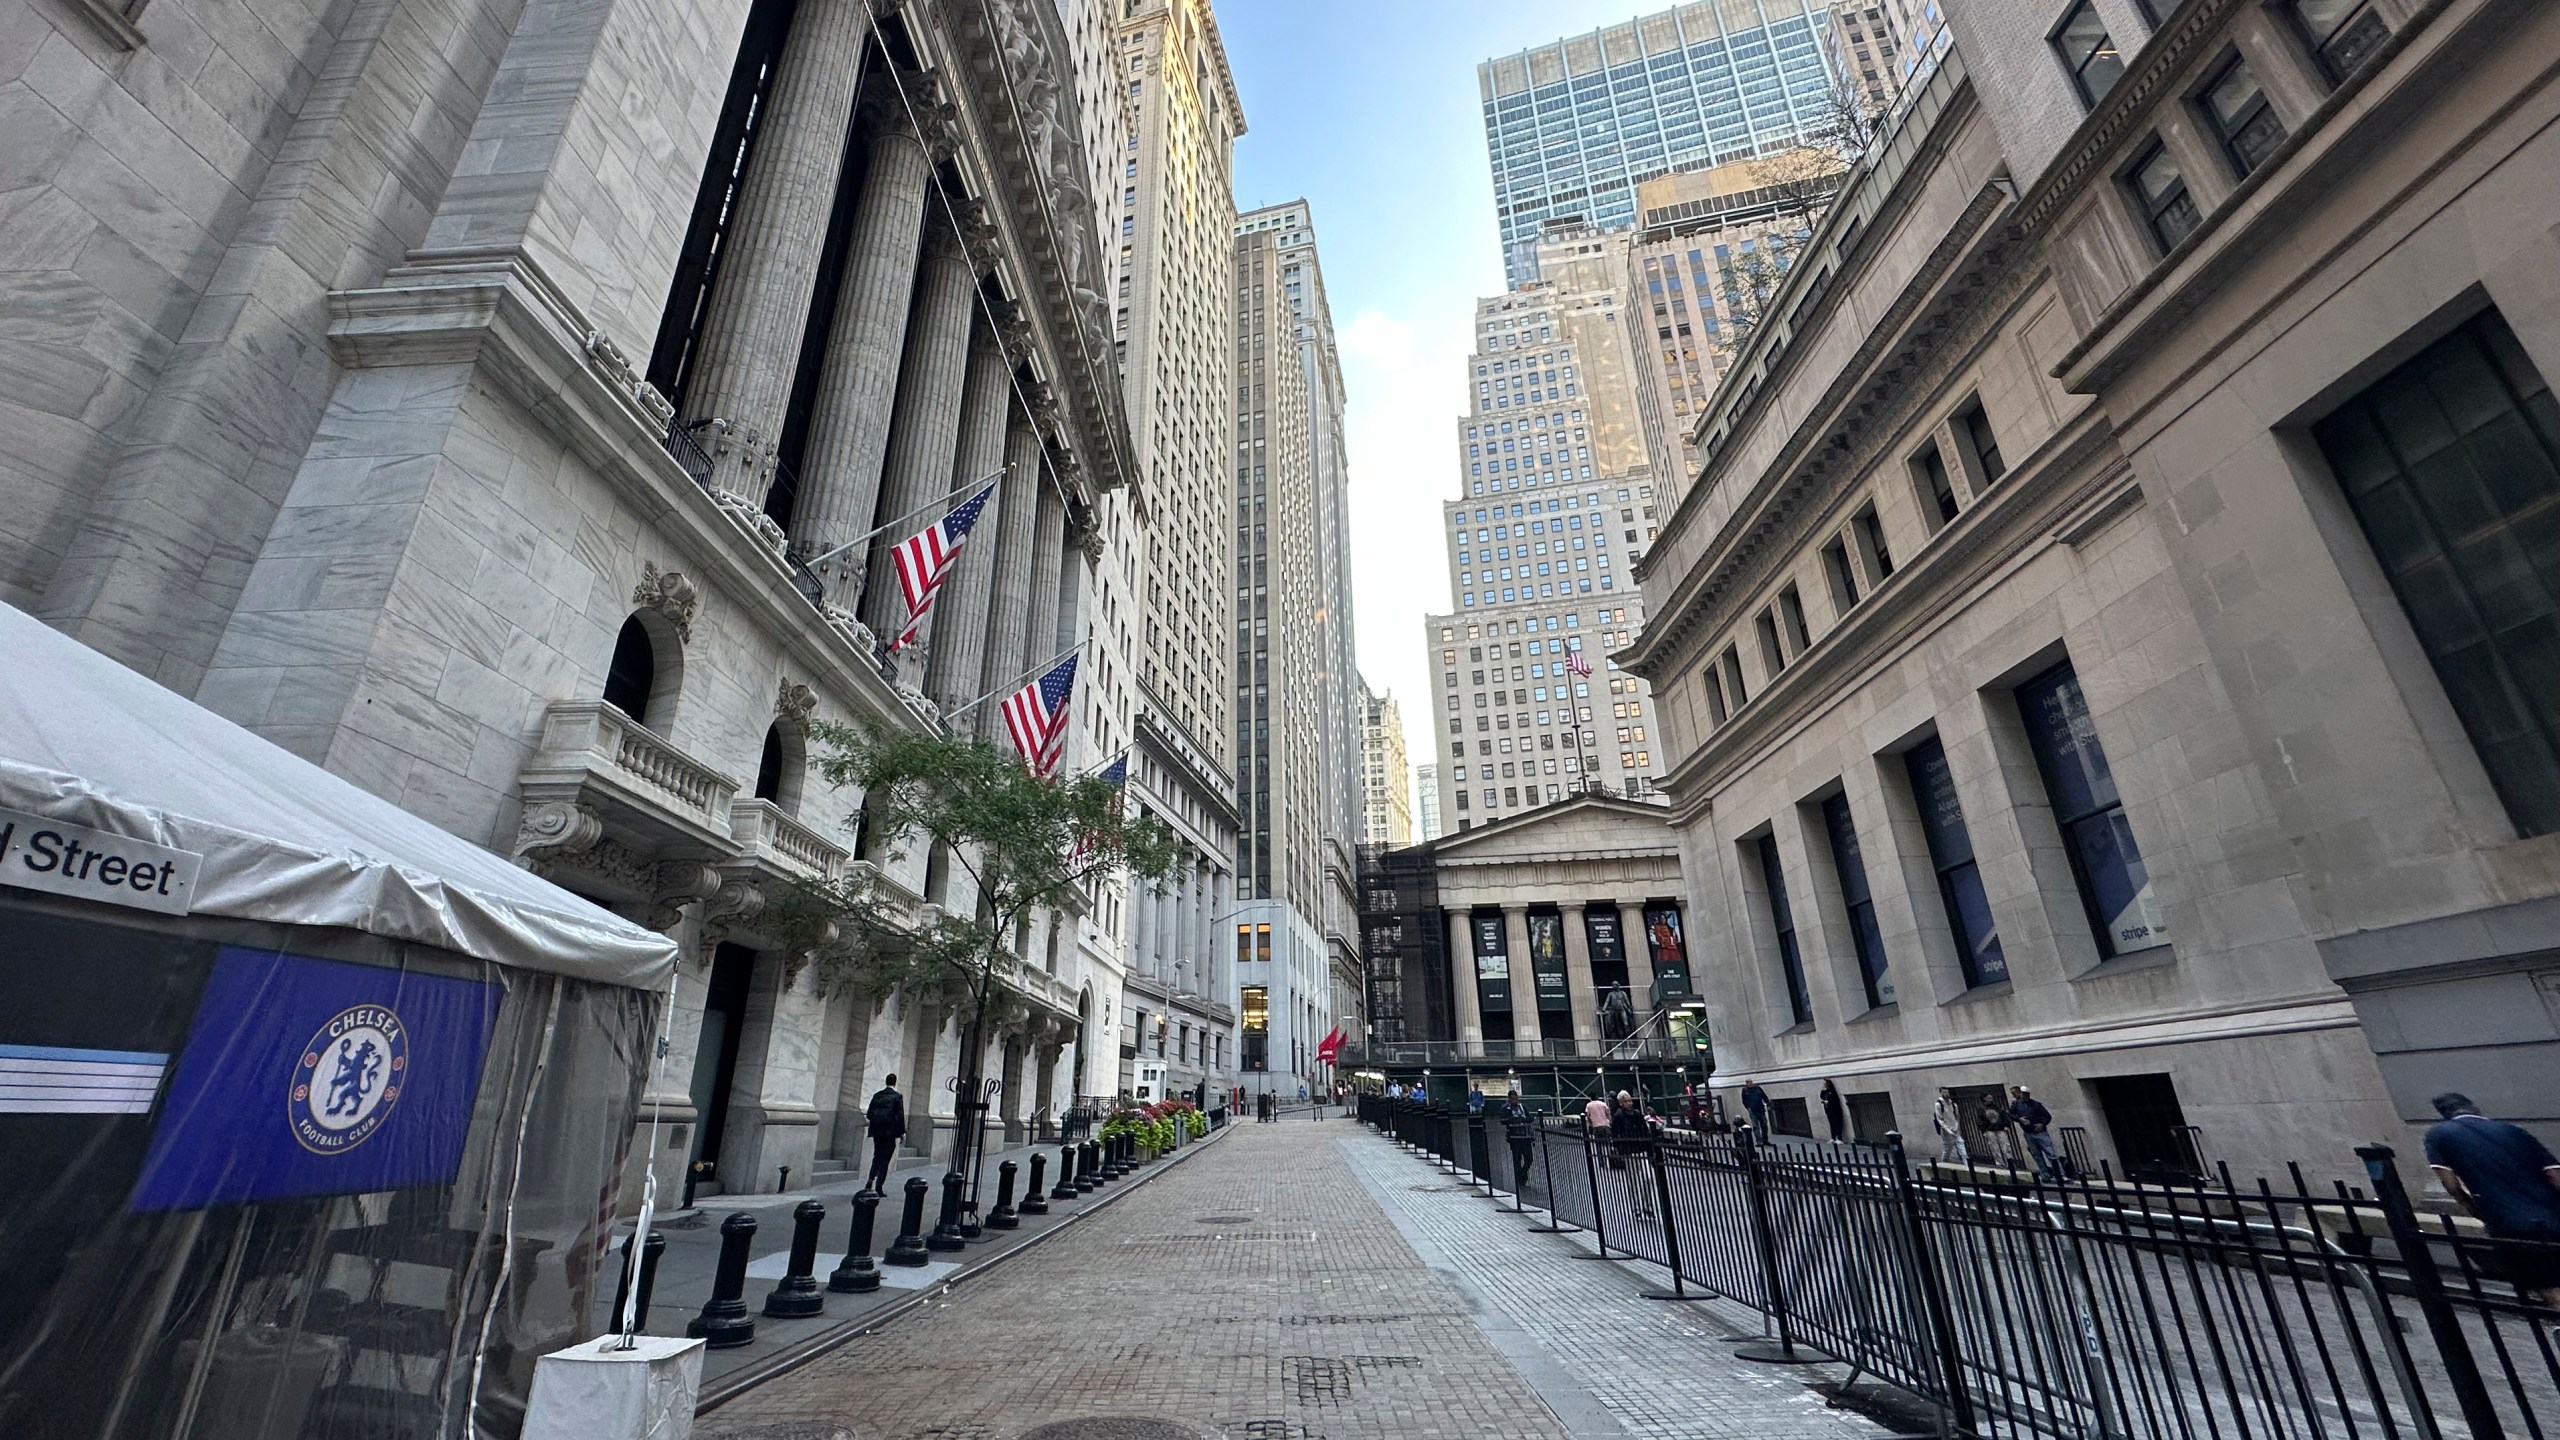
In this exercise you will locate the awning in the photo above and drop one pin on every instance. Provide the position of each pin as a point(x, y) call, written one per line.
point(85, 741)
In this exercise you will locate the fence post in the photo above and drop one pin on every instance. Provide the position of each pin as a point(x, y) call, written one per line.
point(1670, 1227)
point(2428, 1288)
point(1547, 1165)
point(1479, 1158)
point(1591, 1171)
point(1933, 1293)
point(1764, 1234)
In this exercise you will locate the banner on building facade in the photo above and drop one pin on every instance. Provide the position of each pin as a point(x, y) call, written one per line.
point(1546, 959)
point(1670, 947)
point(1493, 963)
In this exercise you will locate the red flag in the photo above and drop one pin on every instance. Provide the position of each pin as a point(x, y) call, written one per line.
point(1331, 1046)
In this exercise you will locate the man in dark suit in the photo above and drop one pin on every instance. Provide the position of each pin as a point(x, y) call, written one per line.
point(886, 1118)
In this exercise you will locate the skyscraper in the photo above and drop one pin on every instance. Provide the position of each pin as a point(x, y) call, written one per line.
point(1573, 126)
point(1426, 802)
point(1389, 810)
point(1878, 45)
point(1166, 547)
point(1289, 792)
point(1558, 501)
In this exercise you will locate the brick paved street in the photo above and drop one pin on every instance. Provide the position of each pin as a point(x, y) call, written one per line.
point(1264, 1292)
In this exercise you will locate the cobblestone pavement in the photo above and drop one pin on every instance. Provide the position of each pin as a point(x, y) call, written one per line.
point(1264, 1292)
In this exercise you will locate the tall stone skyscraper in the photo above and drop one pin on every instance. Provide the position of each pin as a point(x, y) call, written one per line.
point(1558, 502)
point(1167, 549)
point(1389, 775)
point(1574, 125)
point(1295, 929)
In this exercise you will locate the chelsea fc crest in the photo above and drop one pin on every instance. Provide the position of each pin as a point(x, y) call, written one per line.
point(348, 1078)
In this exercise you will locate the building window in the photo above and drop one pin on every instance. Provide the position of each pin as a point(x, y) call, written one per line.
point(1933, 789)
point(1733, 677)
point(1255, 1011)
point(632, 676)
point(2247, 126)
point(1791, 611)
point(1870, 531)
point(1844, 579)
point(2088, 52)
point(1790, 962)
point(1937, 491)
point(1772, 658)
point(2114, 886)
point(1857, 900)
point(2342, 32)
point(2160, 192)
point(1974, 428)
point(2452, 465)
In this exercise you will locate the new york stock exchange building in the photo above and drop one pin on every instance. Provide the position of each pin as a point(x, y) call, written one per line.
point(495, 403)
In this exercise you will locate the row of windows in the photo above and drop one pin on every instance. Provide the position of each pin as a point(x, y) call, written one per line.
point(2114, 887)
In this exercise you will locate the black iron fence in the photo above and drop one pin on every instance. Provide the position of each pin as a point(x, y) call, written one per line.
point(2089, 1307)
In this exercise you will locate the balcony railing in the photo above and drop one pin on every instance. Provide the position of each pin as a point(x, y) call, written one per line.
point(636, 780)
point(764, 833)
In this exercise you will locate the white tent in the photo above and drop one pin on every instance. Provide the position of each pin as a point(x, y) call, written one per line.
point(85, 741)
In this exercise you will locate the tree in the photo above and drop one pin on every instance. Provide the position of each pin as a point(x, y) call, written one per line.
point(1024, 842)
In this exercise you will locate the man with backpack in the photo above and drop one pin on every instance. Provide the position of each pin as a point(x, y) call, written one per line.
point(886, 1118)
point(2035, 1128)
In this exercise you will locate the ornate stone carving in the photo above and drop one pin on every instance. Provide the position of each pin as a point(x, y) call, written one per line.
point(856, 634)
point(920, 703)
point(793, 703)
point(554, 830)
point(670, 594)
point(752, 458)
point(737, 902)
point(661, 409)
point(676, 884)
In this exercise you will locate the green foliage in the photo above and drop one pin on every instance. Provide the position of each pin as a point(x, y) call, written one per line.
point(1024, 841)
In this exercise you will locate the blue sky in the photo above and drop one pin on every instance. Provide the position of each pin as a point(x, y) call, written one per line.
point(1368, 109)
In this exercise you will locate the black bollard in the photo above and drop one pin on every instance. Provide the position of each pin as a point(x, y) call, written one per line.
point(1067, 1187)
point(908, 1248)
point(1004, 1216)
point(724, 1320)
point(946, 1230)
point(1035, 1200)
point(1088, 1167)
point(797, 1296)
point(858, 1273)
point(649, 1254)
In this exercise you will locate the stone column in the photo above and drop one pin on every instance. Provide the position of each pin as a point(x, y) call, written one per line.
point(849, 416)
point(924, 436)
point(1524, 980)
point(1048, 557)
point(749, 348)
point(1466, 1004)
point(959, 624)
point(1008, 610)
point(1639, 955)
point(1578, 981)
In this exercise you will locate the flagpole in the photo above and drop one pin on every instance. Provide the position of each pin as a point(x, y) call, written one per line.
point(1010, 685)
point(813, 561)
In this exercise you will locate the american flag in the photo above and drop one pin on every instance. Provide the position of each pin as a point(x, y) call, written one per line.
point(924, 560)
point(1036, 717)
point(1579, 666)
point(1115, 775)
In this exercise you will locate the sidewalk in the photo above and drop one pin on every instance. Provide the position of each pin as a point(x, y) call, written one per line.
point(686, 1269)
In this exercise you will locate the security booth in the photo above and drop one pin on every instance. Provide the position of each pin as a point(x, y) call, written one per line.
point(313, 1113)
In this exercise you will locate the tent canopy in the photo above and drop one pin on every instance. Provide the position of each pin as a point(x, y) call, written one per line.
point(85, 741)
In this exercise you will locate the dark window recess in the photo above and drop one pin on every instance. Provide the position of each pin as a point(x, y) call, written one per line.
point(1713, 678)
point(1843, 578)
point(1783, 920)
point(1856, 899)
point(1937, 491)
point(2114, 886)
point(1791, 609)
point(1871, 535)
point(1771, 654)
point(2342, 32)
point(2242, 120)
point(769, 766)
point(1951, 855)
point(2160, 192)
point(633, 676)
point(2452, 465)
point(1975, 427)
point(1733, 676)
point(2088, 52)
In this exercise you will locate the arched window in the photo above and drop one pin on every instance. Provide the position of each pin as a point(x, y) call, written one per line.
point(633, 676)
point(780, 768)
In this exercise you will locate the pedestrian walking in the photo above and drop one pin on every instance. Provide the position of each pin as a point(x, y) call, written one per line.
point(1521, 1129)
point(1992, 1118)
point(2508, 1180)
point(1947, 1118)
point(2035, 1129)
point(885, 1118)
point(1595, 1115)
point(1631, 1135)
point(1833, 1114)
point(1693, 1111)
point(1755, 1103)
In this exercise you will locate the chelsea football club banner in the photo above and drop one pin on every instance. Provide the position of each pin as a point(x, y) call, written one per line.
point(317, 1077)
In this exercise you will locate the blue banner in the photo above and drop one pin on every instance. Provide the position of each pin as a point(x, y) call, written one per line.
point(317, 1077)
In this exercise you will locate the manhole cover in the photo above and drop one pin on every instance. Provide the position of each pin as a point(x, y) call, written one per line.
point(1112, 1428)
point(1224, 1220)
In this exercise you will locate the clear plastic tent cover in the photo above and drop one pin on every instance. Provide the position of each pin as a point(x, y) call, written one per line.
point(281, 1182)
